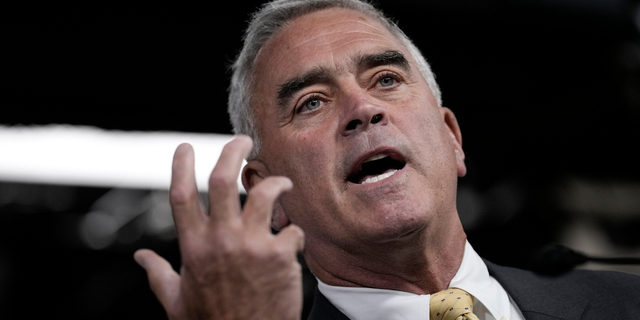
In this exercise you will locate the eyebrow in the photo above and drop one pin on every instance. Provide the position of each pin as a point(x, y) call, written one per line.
point(293, 85)
point(389, 57)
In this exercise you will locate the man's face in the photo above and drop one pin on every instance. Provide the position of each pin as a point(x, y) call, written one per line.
point(344, 112)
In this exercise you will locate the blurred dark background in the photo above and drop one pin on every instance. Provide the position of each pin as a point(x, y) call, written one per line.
point(547, 94)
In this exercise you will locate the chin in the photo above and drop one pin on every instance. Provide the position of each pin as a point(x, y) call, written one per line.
point(397, 225)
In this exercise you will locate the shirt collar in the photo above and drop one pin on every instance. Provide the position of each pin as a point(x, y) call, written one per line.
point(473, 277)
point(360, 303)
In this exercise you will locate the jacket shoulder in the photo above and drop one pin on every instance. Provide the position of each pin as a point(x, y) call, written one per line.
point(575, 294)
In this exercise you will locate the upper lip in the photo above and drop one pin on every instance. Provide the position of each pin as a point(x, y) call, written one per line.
point(385, 151)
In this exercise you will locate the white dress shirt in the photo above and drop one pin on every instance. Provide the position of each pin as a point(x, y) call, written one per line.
point(491, 301)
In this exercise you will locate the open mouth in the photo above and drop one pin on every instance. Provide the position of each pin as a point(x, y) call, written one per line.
point(376, 168)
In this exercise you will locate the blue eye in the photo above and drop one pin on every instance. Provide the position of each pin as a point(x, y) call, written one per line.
point(312, 103)
point(387, 81)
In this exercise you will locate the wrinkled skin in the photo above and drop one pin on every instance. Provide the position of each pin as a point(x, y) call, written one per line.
point(232, 266)
point(399, 233)
point(359, 234)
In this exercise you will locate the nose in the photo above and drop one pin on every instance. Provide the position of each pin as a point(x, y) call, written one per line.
point(361, 115)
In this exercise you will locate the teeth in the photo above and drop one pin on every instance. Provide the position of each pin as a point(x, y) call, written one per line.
point(379, 177)
point(375, 157)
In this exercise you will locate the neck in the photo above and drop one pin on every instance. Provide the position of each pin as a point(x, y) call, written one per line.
point(420, 263)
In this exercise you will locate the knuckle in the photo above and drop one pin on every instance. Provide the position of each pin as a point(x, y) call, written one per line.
point(281, 254)
point(225, 250)
point(252, 252)
point(272, 251)
point(259, 193)
point(220, 179)
point(297, 231)
point(181, 194)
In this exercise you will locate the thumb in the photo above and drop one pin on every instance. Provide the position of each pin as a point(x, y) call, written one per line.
point(163, 280)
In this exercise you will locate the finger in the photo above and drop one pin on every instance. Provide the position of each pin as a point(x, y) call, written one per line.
point(260, 199)
point(163, 280)
point(224, 200)
point(185, 202)
point(291, 236)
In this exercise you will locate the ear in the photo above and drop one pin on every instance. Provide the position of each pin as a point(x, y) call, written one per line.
point(456, 137)
point(253, 173)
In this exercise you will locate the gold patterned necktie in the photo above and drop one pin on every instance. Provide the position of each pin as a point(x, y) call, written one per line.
point(451, 304)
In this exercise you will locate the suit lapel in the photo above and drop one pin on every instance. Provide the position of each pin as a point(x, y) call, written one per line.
point(536, 296)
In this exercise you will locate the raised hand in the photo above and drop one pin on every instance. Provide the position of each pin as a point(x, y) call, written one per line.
point(233, 267)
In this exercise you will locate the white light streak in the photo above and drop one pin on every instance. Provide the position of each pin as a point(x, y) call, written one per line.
point(88, 156)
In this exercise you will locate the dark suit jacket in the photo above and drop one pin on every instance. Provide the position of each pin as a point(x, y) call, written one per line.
point(578, 294)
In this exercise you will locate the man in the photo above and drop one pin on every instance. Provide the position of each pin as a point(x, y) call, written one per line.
point(353, 147)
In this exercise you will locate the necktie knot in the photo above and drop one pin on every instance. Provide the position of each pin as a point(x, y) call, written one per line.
point(451, 304)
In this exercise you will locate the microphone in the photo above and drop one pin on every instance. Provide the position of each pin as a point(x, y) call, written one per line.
point(555, 259)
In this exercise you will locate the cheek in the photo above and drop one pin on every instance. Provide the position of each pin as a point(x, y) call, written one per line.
point(302, 156)
point(425, 128)
point(416, 119)
point(310, 144)
point(309, 163)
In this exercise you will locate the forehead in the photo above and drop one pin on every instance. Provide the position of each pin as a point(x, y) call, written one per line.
point(330, 39)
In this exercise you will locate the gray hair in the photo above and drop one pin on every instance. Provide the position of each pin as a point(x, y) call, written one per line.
point(264, 24)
